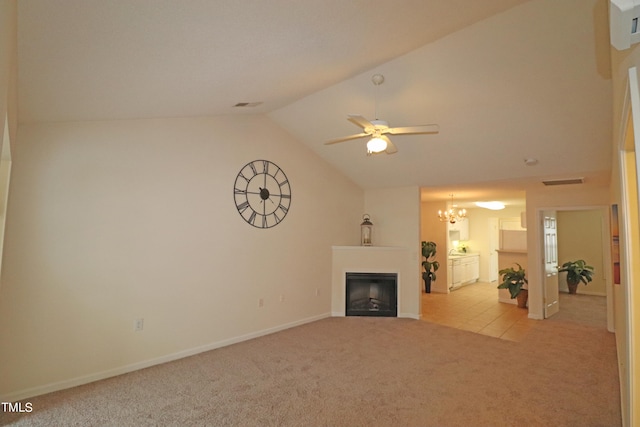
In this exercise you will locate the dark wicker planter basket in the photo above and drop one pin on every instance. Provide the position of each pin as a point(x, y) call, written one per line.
point(573, 287)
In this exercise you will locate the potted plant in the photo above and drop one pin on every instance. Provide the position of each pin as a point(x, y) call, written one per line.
point(577, 271)
point(430, 264)
point(515, 280)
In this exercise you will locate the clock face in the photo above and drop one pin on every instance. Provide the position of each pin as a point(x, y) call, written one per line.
point(262, 193)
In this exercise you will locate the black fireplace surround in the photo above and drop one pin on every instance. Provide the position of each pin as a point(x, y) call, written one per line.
point(371, 294)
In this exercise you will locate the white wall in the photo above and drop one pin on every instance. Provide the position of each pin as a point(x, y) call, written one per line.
point(113, 221)
point(395, 214)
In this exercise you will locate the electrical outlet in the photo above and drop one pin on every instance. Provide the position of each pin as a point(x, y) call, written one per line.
point(260, 302)
point(317, 291)
point(138, 325)
point(281, 298)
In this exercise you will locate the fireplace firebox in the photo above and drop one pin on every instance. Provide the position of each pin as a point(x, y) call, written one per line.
point(371, 294)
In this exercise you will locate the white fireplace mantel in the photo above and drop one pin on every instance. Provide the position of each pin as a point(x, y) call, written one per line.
point(377, 259)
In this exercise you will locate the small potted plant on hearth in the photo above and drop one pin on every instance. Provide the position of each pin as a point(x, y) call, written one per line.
point(515, 280)
point(430, 264)
point(577, 271)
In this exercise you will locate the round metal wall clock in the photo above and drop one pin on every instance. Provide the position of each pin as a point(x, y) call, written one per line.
point(262, 193)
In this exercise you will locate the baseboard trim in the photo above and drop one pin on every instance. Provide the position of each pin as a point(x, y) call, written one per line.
point(86, 379)
point(586, 292)
point(409, 316)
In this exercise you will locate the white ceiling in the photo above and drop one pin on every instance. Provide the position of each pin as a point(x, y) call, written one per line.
point(504, 79)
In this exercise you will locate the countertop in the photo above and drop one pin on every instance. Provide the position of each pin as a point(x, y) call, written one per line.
point(462, 255)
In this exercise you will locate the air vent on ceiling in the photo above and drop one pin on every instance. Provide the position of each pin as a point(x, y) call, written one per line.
point(248, 104)
point(563, 181)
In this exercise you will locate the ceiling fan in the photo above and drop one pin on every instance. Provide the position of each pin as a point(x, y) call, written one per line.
point(376, 130)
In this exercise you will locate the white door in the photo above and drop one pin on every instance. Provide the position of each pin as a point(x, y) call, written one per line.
point(550, 262)
point(494, 239)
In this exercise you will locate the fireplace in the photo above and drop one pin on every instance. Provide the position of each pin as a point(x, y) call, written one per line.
point(371, 294)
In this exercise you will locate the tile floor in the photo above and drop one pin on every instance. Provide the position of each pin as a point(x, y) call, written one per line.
point(476, 308)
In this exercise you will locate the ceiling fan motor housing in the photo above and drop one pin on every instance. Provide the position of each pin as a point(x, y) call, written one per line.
point(378, 125)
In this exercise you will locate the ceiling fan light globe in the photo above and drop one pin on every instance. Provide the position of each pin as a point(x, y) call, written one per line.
point(376, 145)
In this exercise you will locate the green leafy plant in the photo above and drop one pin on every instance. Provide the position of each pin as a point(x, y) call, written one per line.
point(577, 271)
point(513, 280)
point(429, 263)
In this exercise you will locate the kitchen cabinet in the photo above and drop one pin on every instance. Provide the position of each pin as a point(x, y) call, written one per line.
point(454, 270)
point(462, 270)
point(470, 269)
point(459, 230)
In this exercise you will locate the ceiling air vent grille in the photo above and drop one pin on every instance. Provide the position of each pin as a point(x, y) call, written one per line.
point(563, 181)
point(247, 104)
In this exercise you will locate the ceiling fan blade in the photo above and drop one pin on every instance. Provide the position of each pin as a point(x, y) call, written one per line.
point(346, 138)
point(413, 129)
point(391, 148)
point(360, 121)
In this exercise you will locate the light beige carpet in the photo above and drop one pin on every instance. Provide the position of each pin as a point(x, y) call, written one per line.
point(362, 372)
point(581, 308)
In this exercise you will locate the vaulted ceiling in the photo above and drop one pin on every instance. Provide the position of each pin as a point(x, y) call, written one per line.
point(504, 79)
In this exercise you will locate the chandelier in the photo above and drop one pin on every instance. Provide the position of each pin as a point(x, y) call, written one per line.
point(451, 215)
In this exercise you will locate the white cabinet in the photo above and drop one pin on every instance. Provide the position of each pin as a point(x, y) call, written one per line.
point(462, 270)
point(459, 230)
point(470, 269)
point(475, 270)
point(454, 273)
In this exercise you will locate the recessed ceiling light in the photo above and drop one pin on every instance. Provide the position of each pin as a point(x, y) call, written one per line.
point(530, 161)
point(494, 206)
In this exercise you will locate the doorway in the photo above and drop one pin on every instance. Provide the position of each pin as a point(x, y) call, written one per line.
point(578, 233)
